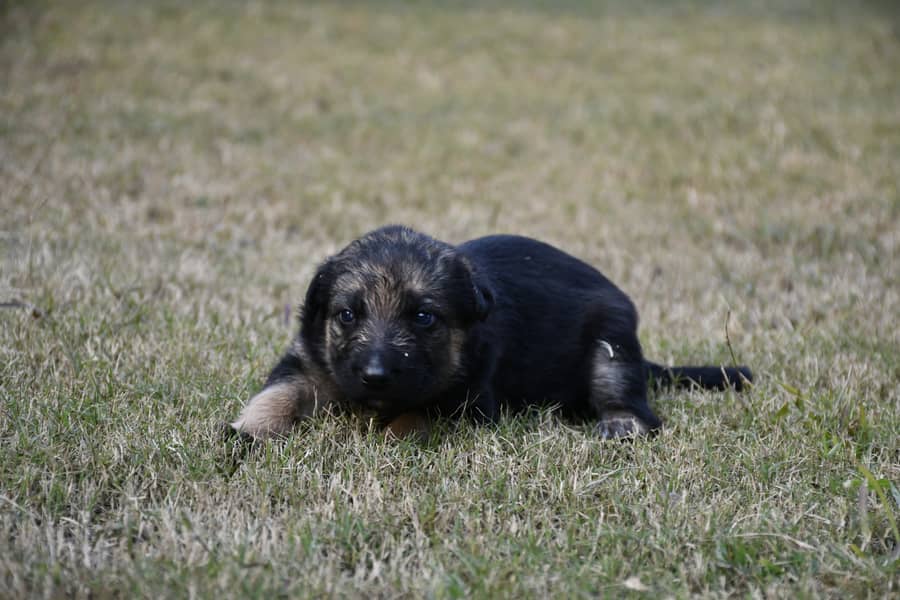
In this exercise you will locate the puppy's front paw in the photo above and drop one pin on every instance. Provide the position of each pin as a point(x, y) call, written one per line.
point(617, 424)
point(272, 412)
point(237, 444)
point(228, 433)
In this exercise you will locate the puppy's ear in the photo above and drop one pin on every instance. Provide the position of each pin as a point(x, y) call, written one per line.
point(315, 305)
point(484, 299)
point(478, 290)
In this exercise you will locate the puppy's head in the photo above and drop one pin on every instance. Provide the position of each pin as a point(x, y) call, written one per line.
point(388, 317)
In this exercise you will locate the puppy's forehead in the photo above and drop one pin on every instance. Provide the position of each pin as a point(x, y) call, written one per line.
point(393, 266)
point(395, 277)
point(390, 287)
point(398, 254)
point(393, 243)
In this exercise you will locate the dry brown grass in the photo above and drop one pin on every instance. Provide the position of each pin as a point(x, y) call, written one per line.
point(170, 176)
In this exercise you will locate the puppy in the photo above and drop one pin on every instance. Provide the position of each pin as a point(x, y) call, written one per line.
point(406, 328)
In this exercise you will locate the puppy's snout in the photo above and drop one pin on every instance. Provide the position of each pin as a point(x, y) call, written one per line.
point(374, 374)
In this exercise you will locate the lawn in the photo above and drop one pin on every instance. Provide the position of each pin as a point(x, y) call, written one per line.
point(172, 173)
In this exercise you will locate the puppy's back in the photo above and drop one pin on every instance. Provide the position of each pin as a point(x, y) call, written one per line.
point(544, 299)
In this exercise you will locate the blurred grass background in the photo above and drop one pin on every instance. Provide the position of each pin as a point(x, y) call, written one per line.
point(171, 174)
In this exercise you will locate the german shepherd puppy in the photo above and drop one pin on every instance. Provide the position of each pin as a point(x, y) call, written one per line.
point(407, 328)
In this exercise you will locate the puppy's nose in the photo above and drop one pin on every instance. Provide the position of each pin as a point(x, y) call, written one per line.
point(374, 375)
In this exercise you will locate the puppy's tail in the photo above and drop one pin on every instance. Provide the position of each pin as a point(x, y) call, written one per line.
point(710, 378)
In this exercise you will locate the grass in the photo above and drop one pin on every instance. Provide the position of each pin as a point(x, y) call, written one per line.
point(170, 175)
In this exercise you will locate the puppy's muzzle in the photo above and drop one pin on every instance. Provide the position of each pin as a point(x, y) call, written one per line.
point(375, 373)
point(374, 376)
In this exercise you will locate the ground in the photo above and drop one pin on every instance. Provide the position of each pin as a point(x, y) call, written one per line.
point(171, 174)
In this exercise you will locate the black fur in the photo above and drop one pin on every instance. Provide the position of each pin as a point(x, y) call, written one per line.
point(516, 323)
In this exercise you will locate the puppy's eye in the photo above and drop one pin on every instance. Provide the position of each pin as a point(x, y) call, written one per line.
point(346, 316)
point(424, 318)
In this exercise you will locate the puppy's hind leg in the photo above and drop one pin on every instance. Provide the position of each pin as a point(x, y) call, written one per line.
point(292, 392)
point(618, 393)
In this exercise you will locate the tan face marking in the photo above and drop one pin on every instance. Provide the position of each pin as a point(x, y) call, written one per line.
point(457, 339)
point(385, 279)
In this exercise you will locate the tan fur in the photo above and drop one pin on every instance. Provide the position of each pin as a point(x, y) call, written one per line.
point(384, 290)
point(607, 389)
point(276, 409)
point(271, 412)
point(606, 380)
point(408, 426)
point(457, 339)
point(620, 423)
